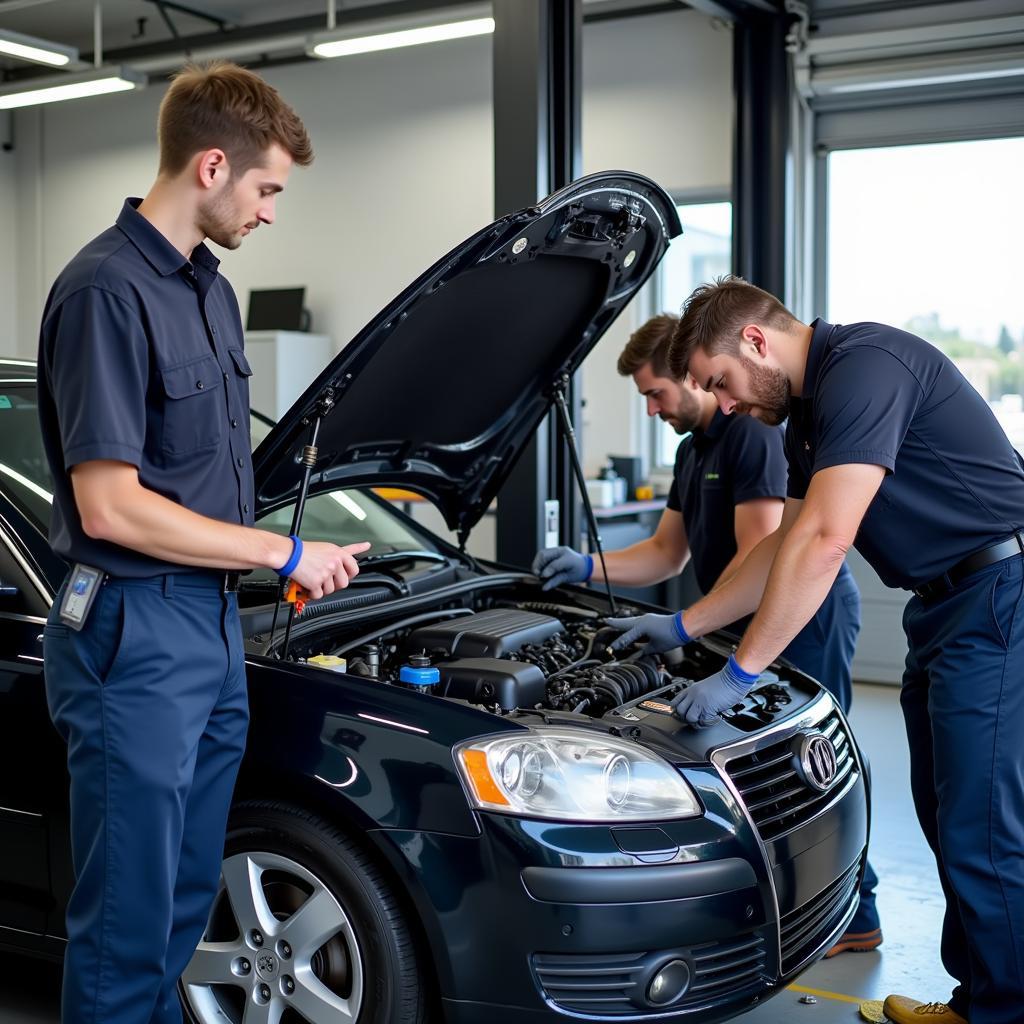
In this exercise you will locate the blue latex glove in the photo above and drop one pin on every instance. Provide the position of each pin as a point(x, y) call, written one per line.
point(562, 565)
point(702, 702)
point(663, 632)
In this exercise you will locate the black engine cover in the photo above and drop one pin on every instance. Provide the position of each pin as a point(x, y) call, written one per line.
point(512, 684)
point(496, 633)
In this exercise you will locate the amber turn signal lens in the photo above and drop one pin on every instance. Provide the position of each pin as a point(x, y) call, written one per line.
point(480, 776)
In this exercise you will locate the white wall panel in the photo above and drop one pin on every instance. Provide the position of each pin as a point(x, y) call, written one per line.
point(403, 171)
point(657, 98)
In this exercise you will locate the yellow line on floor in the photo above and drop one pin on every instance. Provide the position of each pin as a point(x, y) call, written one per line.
point(837, 996)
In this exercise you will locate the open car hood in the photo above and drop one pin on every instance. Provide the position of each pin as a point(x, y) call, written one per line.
point(443, 389)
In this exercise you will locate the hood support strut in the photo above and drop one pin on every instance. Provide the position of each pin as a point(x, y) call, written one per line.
point(309, 456)
point(558, 393)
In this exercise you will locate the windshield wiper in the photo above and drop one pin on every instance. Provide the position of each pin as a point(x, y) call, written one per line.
point(402, 556)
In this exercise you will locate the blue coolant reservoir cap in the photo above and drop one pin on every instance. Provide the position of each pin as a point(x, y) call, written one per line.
point(416, 676)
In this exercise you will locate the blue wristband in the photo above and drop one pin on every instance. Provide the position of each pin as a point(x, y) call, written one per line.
point(738, 676)
point(296, 556)
point(677, 621)
point(590, 567)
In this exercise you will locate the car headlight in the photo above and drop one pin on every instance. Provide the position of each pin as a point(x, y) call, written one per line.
point(575, 775)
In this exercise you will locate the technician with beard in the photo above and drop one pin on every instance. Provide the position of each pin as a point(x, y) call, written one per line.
point(144, 403)
point(891, 449)
point(728, 488)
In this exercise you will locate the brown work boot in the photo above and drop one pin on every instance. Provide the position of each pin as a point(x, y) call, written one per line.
point(856, 942)
point(904, 1010)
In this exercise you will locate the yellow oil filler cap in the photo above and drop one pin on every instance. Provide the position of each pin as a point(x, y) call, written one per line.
point(328, 661)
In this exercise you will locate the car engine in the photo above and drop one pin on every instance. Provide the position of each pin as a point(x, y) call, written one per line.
point(513, 652)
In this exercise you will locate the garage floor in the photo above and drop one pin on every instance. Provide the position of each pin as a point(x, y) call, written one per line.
point(909, 902)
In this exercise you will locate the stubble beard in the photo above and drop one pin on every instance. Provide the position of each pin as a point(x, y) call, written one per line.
point(219, 221)
point(772, 392)
point(686, 418)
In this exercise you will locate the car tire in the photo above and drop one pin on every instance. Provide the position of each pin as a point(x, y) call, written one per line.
point(366, 972)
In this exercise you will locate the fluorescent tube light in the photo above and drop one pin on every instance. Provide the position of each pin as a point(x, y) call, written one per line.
point(70, 87)
point(39, 51)
point(330, 45)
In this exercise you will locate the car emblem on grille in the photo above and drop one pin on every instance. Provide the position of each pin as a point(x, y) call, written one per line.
point(817, 759)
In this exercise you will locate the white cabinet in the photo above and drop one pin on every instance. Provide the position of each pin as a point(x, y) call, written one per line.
point(284, 364)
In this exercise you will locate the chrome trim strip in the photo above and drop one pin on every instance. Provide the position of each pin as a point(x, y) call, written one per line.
point(27, 569)
point(21, 814)
point(741, 804)
point(814, 713)
point(811, 715)
point(837, 794)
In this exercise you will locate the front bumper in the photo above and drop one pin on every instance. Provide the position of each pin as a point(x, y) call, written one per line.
point(541, 921)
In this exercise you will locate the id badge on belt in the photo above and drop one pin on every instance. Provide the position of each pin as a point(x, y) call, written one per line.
point(83, 586)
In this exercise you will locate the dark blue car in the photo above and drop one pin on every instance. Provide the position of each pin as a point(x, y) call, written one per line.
point(456, 804)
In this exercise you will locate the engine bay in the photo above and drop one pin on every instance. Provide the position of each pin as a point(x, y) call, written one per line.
point(509, 652)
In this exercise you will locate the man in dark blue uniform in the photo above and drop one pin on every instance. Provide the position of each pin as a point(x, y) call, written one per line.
point(144, 402)
point(727, 495)
point(892, 450)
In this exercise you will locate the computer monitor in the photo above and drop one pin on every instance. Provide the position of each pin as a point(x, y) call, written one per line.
point(276, 309)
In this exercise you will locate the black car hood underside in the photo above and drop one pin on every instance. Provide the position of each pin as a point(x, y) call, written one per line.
point(443, 389)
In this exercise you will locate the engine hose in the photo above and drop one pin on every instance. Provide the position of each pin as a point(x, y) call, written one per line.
point(409, 620)
point(582, 706)
point(576, 665)
point(557, 610)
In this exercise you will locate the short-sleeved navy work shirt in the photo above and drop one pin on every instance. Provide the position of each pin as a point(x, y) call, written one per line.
point(141, 361)
point(737, 459)
point(877, 395)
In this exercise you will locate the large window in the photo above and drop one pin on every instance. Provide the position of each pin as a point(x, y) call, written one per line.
point(927, 238)
point(702, 253)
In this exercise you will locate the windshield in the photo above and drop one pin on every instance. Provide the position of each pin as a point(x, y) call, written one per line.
point(341, 517)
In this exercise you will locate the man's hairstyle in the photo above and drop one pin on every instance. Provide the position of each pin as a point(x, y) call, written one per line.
point(649, 344)
point(714, 317)
point(223, 106)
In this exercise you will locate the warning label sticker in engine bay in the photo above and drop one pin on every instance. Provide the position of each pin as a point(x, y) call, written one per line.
point(656, 705)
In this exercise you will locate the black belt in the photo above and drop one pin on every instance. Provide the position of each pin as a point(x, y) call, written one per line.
point(972, 563)
point(227, 582)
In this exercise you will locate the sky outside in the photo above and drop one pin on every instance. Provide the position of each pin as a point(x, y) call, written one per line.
point(921, 229)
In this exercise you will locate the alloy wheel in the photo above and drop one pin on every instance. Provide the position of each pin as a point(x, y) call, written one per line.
point(278, 948)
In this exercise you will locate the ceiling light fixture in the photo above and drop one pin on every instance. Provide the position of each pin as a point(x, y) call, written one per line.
point(70, 87)
point(355, 39)
point(39, 51)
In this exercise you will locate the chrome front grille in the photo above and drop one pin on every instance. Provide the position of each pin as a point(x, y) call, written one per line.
point(616, 983)
point(776, 796)
point(803, 930)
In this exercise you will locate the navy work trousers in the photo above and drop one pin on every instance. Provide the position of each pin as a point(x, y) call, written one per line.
point(824, 650)
point(963, 701)
point(151, 699)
